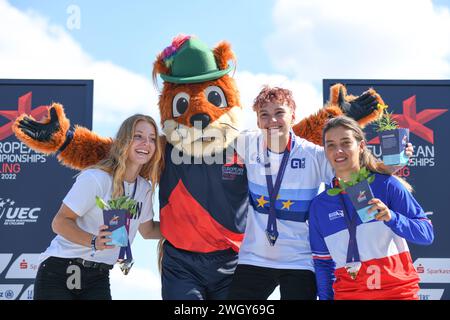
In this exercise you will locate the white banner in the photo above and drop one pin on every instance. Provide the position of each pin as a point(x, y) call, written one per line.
point(433, 270)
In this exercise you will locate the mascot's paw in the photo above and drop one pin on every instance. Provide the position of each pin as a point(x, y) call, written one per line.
point(362, 108)
point(44, 136)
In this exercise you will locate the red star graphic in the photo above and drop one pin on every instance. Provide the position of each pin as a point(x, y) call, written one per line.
point(24, 106)
point(234, 161)
point(415, 121)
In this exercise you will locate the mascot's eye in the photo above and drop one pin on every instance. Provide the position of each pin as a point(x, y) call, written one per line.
point(180, 104)
point(216, 96)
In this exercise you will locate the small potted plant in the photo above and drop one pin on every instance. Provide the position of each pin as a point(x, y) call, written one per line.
point(115, 215)
point(358, 191)
point(393, 139)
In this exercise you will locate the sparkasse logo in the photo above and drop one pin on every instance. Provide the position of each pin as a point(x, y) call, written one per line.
point(24, 264)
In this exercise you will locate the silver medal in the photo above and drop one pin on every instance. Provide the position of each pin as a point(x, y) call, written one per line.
point(125, 265)
point(353, 268)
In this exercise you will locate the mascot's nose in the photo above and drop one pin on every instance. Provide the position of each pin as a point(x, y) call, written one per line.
point(200, 117)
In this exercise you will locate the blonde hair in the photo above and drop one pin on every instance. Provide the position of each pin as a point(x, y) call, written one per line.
point(115, 162)
point(366, 159)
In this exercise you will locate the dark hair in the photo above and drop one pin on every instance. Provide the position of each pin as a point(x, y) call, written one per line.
point(366, 159)
point(276, 95)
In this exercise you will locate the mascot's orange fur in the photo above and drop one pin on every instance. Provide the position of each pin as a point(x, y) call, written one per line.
point(202, 214)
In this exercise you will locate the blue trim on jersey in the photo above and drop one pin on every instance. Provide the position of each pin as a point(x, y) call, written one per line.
point(296, 206)
point(293, 194)
point(299, 216)
point(325, 278)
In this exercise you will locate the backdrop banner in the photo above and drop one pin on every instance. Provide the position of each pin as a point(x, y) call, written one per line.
point(32, 185)
point(422, 106)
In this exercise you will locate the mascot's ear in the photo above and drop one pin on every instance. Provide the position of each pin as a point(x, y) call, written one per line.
point(222, 54)
point(158, 68)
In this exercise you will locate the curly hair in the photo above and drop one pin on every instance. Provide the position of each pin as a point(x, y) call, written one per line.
point(274, 95)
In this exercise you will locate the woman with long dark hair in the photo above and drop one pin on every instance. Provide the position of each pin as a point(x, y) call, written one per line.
point(356, 260)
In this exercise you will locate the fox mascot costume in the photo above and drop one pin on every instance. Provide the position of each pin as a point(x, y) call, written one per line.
point(203, 204)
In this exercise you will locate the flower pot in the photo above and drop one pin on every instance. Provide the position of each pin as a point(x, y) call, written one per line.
point(393, 144)
point(359, 195)
point(116, 220)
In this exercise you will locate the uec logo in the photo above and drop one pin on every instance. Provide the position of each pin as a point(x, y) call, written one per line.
point(12, 212)
point(20, 213)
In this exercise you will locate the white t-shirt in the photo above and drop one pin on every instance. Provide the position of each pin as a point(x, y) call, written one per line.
point(81, 200)
point(306, 169)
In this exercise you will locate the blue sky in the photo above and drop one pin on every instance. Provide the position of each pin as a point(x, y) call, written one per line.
point(131, 33)
point(289, 43)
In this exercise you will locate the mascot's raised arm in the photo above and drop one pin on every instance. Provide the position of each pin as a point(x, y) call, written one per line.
point(203, 205)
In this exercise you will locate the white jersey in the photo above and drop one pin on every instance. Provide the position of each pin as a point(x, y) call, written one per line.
point(81, 200)
point(306, 169)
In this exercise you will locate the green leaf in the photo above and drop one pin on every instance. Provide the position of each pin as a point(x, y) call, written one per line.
point(350, 183)
point(334, 191)
point(344, 185)
point(120, 201)
point(386, 122)
point(133, 209)
point(112, 203)
point(127, 204)
point(100, 203)
point(364, 172)
point(354, 176)
point(371, 178)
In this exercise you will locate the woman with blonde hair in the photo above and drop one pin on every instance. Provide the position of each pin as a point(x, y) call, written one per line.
point(371, 260)
point(76, 264)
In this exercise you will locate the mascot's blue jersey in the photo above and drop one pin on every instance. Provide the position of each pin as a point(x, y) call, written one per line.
point(203, 206)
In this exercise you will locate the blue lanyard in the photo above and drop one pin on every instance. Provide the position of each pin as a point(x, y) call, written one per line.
point(127, 250)
point(352, 249)
point(271, 230)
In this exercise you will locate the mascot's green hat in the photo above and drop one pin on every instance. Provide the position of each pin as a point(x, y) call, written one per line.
point(190, 61)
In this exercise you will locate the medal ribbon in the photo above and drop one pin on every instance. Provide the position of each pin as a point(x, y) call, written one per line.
point(352, 250)
point(127, 250)
point(271, 230)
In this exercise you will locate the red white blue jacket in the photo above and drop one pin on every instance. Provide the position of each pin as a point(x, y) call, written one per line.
point(387, 270)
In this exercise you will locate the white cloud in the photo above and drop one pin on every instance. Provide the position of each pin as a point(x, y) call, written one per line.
point(34, 48)
point(382, 39)
point(31, 48)
point(307, 98)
